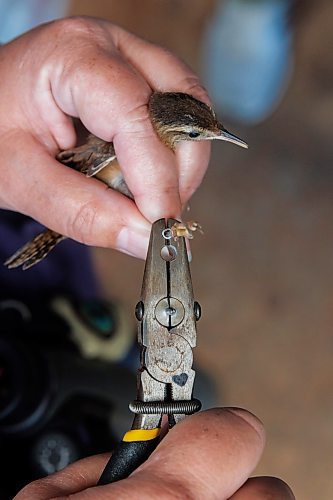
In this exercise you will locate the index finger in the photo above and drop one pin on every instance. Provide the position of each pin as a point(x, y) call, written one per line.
point(166, 72)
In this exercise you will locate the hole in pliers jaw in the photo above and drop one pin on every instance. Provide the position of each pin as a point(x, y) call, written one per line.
point(167, 233)
point(168, 253)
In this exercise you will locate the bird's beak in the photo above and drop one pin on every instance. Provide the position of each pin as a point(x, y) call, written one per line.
point(224, 135)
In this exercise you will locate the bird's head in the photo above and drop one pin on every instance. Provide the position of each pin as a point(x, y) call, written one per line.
point(180, 117)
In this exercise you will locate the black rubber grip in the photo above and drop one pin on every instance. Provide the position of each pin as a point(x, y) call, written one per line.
point(127, 457)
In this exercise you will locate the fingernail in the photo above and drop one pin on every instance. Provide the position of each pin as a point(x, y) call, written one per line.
point(133, 242)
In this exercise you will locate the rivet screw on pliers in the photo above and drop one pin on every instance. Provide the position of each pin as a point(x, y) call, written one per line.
point(167, 315)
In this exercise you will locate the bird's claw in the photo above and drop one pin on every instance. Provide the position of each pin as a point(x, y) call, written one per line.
point(185, 229)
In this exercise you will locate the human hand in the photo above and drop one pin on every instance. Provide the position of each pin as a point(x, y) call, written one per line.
point(96, 71)
point(209, 455)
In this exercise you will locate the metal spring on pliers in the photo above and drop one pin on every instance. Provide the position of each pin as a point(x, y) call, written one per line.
point(165, 407)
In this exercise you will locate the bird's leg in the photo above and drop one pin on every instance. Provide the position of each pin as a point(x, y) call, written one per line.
point(185, 229)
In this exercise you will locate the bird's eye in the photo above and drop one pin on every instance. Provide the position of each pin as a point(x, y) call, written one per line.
point(193, 135)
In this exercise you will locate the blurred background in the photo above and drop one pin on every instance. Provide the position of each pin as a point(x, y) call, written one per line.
point(263, 270)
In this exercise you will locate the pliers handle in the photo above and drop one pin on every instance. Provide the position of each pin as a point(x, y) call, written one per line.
point(129, 454)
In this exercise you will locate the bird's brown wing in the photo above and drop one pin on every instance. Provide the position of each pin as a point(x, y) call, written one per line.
point(90, 158)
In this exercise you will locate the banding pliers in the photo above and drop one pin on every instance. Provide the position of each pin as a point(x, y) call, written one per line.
point(167, 315)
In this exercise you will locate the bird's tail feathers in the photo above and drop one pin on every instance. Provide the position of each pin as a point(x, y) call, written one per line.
point(35, 250)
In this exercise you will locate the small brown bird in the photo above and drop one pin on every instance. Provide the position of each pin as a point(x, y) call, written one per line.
point(175, 116)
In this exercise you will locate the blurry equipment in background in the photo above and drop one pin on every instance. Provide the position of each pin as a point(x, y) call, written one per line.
point(61, 399)
point(247, 57)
